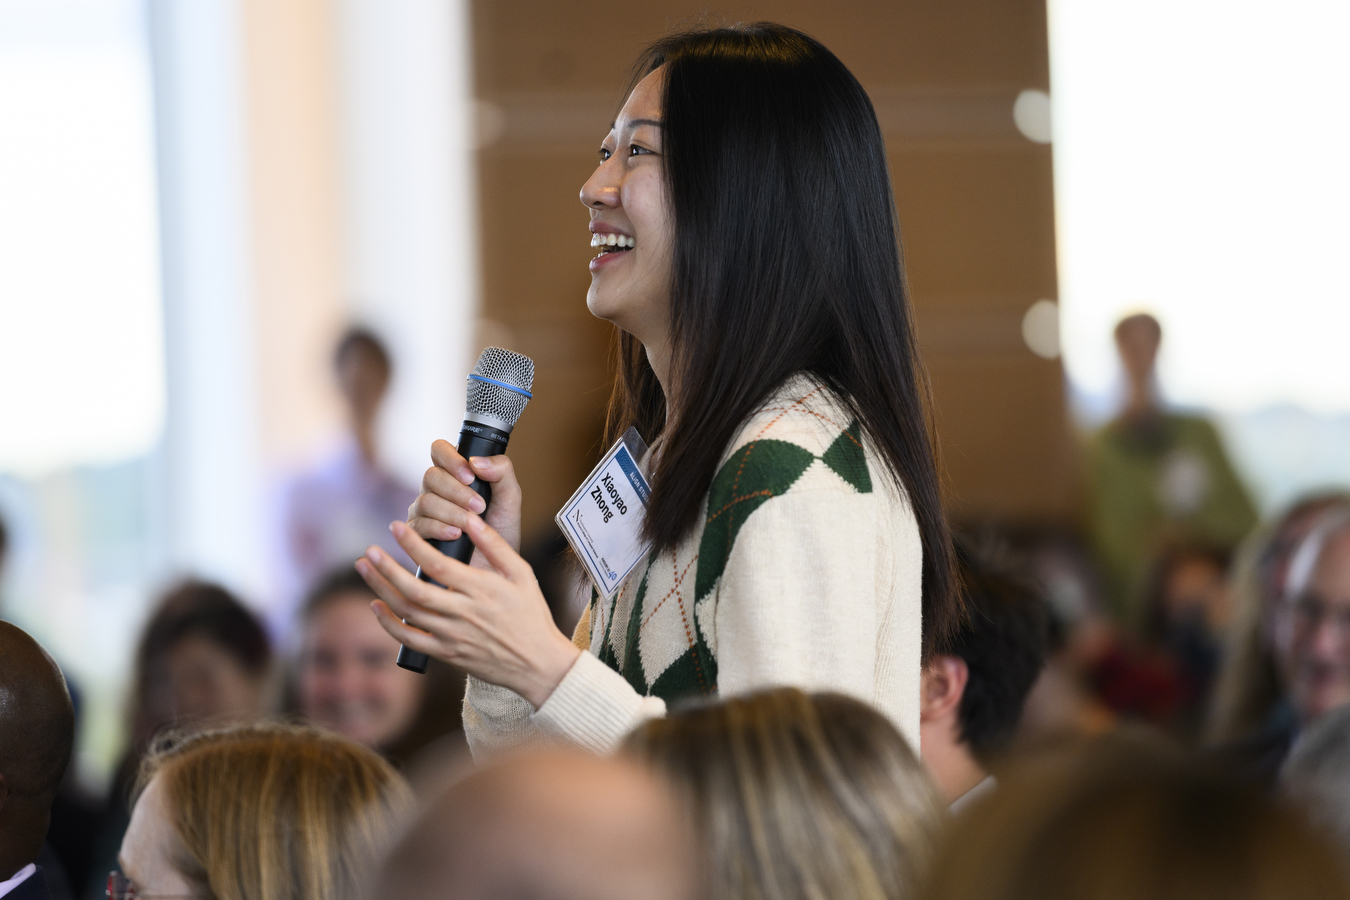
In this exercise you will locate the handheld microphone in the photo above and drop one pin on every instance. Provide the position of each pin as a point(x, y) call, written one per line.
point(499, 388)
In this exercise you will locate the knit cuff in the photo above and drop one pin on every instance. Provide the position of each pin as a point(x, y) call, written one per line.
point(495, 719)
point(594, 707)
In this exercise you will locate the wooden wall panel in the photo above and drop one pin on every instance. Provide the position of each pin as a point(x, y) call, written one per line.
point(975, 200)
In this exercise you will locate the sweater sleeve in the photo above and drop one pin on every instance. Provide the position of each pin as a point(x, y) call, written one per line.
point(592, 707)
point(496, 718)
point(821, 591)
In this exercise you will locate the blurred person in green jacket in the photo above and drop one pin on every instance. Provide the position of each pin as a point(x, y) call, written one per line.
point(1157, 479)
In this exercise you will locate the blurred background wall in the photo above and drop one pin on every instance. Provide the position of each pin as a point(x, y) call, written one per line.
point(974, 194)
point(198, 196)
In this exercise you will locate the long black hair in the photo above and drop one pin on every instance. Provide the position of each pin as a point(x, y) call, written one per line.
point(786, 259)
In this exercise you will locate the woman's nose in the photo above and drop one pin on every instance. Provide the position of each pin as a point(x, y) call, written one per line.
point(601, 190)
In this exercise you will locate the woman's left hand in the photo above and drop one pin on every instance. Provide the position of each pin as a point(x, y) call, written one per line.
point(496, 627)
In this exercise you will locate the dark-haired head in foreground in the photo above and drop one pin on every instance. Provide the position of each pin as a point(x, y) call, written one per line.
point(1119, 821)
point(37, 731)
point(798, 796)
point(973, 692)
point(557, 825)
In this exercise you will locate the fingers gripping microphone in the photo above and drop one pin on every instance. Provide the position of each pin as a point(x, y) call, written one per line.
point(499, 388)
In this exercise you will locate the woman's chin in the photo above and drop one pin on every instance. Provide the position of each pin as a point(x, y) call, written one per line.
point(603, 306)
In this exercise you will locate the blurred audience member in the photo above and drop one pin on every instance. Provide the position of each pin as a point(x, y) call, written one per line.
point(259, 813)
point(799, 796)
point(77, 817)
point(203, 659)
point(1061, 703)
point(972, 694)
point(1308, 628)
point(1156, 478)
point(1127, 824)
point(348, 679)
point(37, 732)
point(559, 825)
point(1248, 695)
point(335, 511)
point(1160, 673)
point(1187, 611)
point(1317, 774)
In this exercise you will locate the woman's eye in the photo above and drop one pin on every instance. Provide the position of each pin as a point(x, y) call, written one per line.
point(605, 154)
point(635, 150)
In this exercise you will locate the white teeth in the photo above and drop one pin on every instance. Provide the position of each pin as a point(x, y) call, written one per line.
point(611, 240)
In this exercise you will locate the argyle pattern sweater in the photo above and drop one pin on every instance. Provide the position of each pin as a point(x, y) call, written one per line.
point(804, 571)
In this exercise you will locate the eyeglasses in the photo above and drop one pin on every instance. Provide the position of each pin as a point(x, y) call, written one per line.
point(120, 887)
point(1311, 613)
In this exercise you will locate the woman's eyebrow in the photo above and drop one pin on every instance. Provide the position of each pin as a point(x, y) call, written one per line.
point(656, 123)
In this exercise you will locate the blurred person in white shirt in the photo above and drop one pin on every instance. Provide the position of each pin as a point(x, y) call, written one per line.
point(345, 503)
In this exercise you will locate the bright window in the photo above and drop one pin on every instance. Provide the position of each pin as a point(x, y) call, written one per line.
point(81, 334)
point(1200, 174)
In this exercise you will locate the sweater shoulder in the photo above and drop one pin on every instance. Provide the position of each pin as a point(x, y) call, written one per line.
point(802, 438)
point(802, 412)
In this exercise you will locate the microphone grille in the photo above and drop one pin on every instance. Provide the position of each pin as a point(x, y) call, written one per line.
point(488, 399)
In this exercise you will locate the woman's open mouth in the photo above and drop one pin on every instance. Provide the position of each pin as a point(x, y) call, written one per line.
point(611, 242)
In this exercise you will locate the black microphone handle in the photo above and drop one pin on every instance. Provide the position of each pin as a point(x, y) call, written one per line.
point(474, 440)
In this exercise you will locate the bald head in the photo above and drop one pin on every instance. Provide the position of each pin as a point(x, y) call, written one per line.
point(548, 826)
point(37, 729)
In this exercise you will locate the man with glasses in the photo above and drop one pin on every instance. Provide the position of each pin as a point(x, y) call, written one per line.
point(1308, 632)
point(1310, 629)
point(37, 730)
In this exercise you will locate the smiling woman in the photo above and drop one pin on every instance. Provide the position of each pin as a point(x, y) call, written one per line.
point(751, 263)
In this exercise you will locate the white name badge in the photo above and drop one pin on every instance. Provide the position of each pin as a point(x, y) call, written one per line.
point(603, 519)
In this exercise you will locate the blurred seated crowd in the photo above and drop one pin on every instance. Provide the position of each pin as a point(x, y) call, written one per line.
point(1154, 704)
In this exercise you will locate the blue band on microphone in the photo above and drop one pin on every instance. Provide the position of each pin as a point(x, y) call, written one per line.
point(509, 387)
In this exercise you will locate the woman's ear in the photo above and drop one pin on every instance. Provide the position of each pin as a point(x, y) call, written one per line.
point(941, 687)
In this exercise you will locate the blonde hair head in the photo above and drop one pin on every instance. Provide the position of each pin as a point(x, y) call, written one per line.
point(275, 811)
point(799, 796)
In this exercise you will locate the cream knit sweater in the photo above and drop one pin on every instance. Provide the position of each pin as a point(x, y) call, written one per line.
point(806, 572)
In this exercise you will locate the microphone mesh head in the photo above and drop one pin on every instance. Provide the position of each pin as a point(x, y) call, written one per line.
point(493, 400)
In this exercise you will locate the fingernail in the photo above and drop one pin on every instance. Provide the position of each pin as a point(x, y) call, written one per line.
point(466, 476)
point(480, 462)
point(362, 567)
point(476, 504)
point(375, 555)
point(397, 528)
point(452, 533)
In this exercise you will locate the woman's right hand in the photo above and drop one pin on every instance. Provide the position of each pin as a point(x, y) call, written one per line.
point(446, 502)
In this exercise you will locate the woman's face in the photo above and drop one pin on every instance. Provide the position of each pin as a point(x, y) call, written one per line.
point(198, 680)
point(150, 845)
point(349, 680)
point(627, 199)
